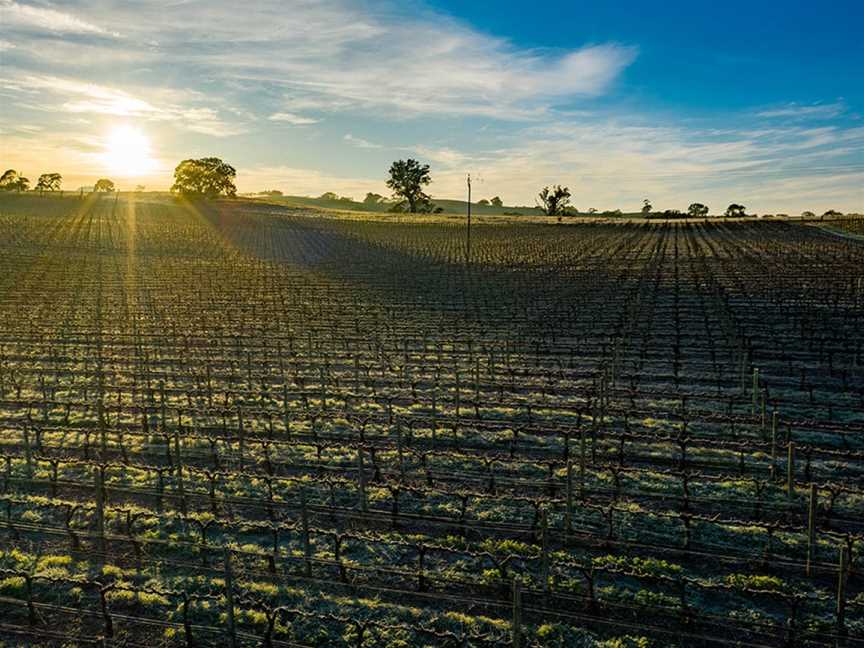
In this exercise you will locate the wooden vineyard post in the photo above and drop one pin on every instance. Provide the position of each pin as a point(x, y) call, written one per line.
point(544, 549)
point(516, 626)
point(304, 522)
point(755, 390)
point(286, 415)
point(100, 513)
point(763, 408)
point(841, 592)
point(361, 479)
point(28, 453)
point(774, 446)
point(100, 414)
point(568, 515)
point(323, 378)
point(458, 396)
point(241, 442)
point(434, 416)
point(179, 471)
point(811, 529)
point(399, 449)
point(229, 598)
point(356, 374)
point(468, 232)
point(162, 413)
point(790, 470)
point(582, 464)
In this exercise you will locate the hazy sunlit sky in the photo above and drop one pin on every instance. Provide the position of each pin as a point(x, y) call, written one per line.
point(753, 102)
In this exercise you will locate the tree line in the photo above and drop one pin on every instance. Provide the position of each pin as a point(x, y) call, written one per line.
point(210, 178)
point(12, 180)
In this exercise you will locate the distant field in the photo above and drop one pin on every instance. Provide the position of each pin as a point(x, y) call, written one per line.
point(243, 423)
point(449, 206)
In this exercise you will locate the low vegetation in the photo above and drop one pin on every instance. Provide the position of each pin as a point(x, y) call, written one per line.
point(234, 423)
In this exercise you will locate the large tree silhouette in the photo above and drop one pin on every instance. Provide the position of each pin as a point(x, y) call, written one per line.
point(697, 210)
point(8, 180)
point(204, 178)
point(407, 179)
point(49, 182)
point(555, 200)
point(735, 211)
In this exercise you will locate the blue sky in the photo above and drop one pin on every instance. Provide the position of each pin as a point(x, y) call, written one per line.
point(758, 102)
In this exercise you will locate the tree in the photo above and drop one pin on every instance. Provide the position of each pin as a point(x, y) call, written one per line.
point(647, 208)
point(555, 200)
point(735, 211)
point(373, 199)
point(407, 179)
point(21, 184)
point(140, 188)
point(329, 195)
point(808, 214)
point(49, 182)
point(103, 184)
point(483, 202)
point(697, 210)
point(831, 213)
point(204, 178)
point(8, 180)
point(496, 202)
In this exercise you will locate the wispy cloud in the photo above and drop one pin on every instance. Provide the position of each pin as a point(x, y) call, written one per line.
point(399, 73)
point(14, 15)
point(345, 54)
point(359, 142)
point(446, 156)
point(812, 111)
point(75, 96)
point(610, 164)
point(293, 119)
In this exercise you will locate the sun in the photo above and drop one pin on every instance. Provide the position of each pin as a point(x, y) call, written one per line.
point(127, 152)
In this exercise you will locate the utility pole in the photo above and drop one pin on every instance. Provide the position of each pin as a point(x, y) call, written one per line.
point(468, 245)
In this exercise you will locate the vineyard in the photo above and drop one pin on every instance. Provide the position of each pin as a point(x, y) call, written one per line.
point(237, 424)
point(851, 224)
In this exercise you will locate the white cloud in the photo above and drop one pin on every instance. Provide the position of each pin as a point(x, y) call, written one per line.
point(222, 69)
point(813, 111)
point(292, 118)
point(16, 15)
point(446, 156)
point(359, 142)
point(609, 165)
point(81, 97)
point(348, 54)
point(206, 121)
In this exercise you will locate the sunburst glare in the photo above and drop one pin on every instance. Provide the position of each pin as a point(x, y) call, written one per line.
point(127, 152)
